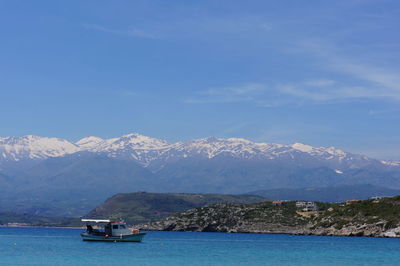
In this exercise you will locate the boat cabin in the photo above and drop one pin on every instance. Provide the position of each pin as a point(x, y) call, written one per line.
point(111, 228)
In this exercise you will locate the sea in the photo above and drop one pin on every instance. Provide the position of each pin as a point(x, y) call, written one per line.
point(59, 246)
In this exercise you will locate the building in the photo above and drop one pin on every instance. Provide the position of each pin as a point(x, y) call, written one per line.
point(348, 202)
point(307, 206)
point(376, 197)
point(301, 204)
point(278, 202)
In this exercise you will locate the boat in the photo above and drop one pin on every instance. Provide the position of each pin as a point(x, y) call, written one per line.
point(110, 230)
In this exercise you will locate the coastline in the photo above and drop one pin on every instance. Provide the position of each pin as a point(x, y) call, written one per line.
point(279, 233)
point(377, 217)
point(41, 226)
point(370, 218)
point(144, 228)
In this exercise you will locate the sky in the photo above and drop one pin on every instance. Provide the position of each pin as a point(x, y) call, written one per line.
point(324, 73)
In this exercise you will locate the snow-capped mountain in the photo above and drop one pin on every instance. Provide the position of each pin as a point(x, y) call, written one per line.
point(34, 147)
point(242, 148)
point(88, 142)
point(46, 170)
point(141, 149)
point(148, 151)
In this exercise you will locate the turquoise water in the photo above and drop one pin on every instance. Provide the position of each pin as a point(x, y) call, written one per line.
point(44, 246)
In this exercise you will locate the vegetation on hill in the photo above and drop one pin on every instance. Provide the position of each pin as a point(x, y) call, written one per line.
point(228, 217)
point(384, 212)
point(240, 213)
point(142, 207)
point(375, 217)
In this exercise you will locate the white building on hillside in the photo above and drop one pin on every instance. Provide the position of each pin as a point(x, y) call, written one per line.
point(307, 206)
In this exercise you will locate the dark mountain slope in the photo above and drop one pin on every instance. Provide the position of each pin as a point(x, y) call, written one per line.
point(231, 175)
point(327, 194)
point(71, 186)
point(145, 207)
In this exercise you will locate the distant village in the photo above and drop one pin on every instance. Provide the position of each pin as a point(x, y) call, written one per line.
point(311, 206)
point(305, 206)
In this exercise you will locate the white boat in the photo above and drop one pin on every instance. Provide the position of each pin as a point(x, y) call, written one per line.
point(110, 230)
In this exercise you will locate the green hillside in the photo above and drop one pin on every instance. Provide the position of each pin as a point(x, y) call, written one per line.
point(374, 217)
point(142, 207)
point(384, 212)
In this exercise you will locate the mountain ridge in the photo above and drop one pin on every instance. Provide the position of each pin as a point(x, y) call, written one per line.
point(148, 151)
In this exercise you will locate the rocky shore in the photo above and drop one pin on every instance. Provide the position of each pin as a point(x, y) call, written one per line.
point(373, 218)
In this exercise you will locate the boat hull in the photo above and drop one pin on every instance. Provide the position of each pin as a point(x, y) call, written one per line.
point(123, 238)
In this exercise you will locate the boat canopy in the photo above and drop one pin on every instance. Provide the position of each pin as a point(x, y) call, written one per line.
point(96, 220)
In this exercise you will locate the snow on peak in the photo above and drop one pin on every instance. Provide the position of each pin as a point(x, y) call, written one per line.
point(145, 150)
point(212, 147)
point(34, 147)
point(206, 140)
point(133, 146)
point(135, 138)
point(302, 147)
point(133, 135)
point(330, 151)
point(130, 142)
point(88, 142)
point(138, 141)
point(391, 163)
point(335, 151)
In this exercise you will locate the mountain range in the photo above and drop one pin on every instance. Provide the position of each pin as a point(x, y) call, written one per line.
point(156, 153)
point(52, 176)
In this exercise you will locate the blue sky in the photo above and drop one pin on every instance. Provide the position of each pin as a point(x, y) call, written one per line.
point(325, 73)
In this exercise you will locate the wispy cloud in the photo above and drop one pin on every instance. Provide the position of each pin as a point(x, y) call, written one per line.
point(133, 32)
point(369, 78)
point(355, 79)
point(384, 82)
point(316, 91)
